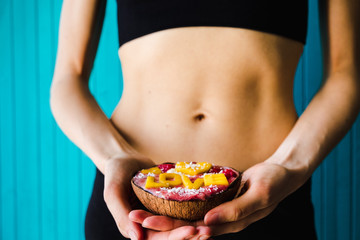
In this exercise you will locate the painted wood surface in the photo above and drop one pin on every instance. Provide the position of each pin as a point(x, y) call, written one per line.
point(45, 181)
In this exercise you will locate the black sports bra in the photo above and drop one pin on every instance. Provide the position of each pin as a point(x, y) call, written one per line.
point(287, 18)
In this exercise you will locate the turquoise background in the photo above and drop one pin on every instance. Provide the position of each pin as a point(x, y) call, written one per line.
point(46, 181)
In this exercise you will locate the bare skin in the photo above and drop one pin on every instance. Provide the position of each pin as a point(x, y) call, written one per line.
point(207, 94)
point(216, 94)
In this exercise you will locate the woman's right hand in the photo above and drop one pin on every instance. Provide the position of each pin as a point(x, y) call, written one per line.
point(117, 192)
point(121, 200)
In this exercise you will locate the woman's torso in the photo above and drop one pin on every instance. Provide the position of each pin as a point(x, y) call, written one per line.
point(216, 94)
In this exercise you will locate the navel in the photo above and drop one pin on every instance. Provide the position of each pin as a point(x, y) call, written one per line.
point(199, 117)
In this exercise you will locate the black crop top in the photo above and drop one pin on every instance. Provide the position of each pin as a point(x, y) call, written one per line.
point(287, 18)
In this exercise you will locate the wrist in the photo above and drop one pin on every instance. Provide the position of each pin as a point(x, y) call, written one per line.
point(129, 161)
point(293, 161)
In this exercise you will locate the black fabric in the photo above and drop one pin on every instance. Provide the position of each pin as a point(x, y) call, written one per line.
point(281, 17)
point(292, 219)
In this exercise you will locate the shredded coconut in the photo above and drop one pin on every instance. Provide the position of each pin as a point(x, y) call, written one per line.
point(192, 165)
point(142, 175)
point(210, 173)
point(173, 170)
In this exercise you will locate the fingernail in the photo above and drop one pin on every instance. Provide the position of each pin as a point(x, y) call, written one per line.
point(145, 225)
point(213, 219)
point(133, 235)
point(204, 237)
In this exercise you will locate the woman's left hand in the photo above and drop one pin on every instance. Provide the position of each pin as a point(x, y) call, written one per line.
point(264, 186)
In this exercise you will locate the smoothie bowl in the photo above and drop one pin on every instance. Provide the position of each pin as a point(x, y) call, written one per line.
point(185, 190)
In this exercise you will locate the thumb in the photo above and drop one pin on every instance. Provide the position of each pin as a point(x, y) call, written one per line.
point(234, 210)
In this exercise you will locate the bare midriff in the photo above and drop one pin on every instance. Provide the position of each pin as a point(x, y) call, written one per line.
point(207, 94)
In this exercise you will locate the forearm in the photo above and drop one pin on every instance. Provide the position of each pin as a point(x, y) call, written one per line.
point(322, 125)
point(82, 120)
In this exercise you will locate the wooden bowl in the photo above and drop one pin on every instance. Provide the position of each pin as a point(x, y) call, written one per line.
point(190, 210)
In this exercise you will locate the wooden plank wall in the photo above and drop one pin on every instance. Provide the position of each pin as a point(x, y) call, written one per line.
point(45, 181)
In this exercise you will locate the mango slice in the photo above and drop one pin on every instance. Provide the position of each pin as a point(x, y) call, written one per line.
point(150, 183)
point(175, 179)
point(192, 185)
point(192, 168)
point(215, 179)
point(154, 170)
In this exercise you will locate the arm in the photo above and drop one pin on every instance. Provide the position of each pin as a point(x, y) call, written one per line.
point(325, 121)
point(74, 108)
point(335, 107)
point(81, 119)
point(322, 125)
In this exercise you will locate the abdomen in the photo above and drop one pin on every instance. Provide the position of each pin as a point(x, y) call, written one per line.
point(221, 98)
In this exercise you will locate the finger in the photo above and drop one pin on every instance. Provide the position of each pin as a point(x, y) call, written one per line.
point(120, 208)
point(139, 216)
point(163, 223)
point(204, 233)
point(236, 209)
point(241, 224)
point(181, 233)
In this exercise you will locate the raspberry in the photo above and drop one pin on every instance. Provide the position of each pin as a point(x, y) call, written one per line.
point(215, 169)
point(165, 167)
point(229, 173)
